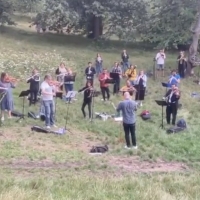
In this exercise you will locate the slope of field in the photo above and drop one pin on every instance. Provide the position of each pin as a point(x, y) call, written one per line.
point(46, 166)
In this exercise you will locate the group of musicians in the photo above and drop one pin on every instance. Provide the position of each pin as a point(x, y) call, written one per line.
point(135, 85)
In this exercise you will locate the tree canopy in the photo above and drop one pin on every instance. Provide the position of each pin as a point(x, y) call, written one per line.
point(164, 23)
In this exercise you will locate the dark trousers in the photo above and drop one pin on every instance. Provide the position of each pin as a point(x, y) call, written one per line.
point(105, 92)
point(129, 129)
point(90, 80)
point(33, 97)
point(171, 110)
point(181, 70)
point(116, 87)
point(89, 104)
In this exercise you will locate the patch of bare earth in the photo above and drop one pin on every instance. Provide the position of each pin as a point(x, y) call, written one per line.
point(84, 142)
point(133, 164)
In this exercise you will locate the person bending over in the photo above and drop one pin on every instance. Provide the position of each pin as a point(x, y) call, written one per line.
point(87, 99)
point(172, 97)
point(128, 88)
point(103, 85)
point(128, 108)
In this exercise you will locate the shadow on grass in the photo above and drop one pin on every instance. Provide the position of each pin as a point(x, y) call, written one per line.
point(74, 41)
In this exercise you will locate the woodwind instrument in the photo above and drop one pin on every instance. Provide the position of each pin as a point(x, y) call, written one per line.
point(35, 77)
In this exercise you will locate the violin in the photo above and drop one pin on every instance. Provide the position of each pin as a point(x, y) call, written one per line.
point(10, 79)
point(55, 83)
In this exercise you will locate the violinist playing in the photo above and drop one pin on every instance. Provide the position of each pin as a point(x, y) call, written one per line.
point(172, 97)
point(7, 103)
point(34, 81)
point(103, 85)
point(87, 99)
point(128, 88)
point(131, 74)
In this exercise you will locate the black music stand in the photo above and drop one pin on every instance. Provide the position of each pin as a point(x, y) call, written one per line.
point(69, 78)
point(94, 93)
point(23, 94)
point(166, 85)
point(90, 77)
point(58, 95)
point(116, 78)
point(110, 81)
point(162, 103)
point(70, 95)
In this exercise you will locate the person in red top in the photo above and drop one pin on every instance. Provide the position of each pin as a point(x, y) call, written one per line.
point(103, 85)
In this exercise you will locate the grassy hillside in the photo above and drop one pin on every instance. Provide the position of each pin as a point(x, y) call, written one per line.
point(39, 166)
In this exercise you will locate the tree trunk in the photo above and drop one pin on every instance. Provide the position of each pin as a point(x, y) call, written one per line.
point(192, 56)
point(95, 28)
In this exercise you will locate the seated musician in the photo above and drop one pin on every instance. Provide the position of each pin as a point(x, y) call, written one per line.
point(172, 97)
point(7, 103)
point(131, 74)
point(128, 88)
point(69, 85)
point(34, 81)
point(103, 85)
point(174, 79)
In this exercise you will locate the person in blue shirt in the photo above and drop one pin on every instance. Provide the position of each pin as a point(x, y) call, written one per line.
point(174, 79)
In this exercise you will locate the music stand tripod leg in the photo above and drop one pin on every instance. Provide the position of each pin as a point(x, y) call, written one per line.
point(68, 113)
point(92, 109)
point(23, 110)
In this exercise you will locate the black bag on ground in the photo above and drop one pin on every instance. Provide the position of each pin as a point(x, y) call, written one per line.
point(181, 123)
point(39, 129)
point(99, 149)
point(32, 115)
point(16, 114)
point(174, 130)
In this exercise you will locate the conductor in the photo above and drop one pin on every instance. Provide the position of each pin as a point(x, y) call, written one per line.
point(128, 108)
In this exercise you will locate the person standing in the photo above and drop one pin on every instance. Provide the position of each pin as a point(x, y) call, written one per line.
point(69, 85)
point(125, 61)
point(99, 62)
point(87, 99)
point(140, 85)
point(172, 97)
point(7, 103)
point(47, 94)
point(117, 69)
point(103, 85)
point(182, 64)
point(131, 74)
point(34, 81)
point(160, 61)
point(128, 108)
point(60, 73)
point(90, 72)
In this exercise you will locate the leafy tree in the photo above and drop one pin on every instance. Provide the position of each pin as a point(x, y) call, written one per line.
point(169, 22)
point(6, 8)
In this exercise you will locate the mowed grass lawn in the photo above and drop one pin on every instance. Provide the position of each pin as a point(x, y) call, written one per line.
point(44, 166)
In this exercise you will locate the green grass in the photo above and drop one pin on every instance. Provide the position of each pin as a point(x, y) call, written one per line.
point(44, 166)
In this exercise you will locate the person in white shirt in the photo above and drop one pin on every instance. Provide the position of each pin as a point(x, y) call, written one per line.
point(160, 61)
point(47, 94)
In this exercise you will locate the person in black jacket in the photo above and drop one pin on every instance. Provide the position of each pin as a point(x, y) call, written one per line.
point(182, 64)
point(90, 72)
point(87, 99)
point(34, 81)
point(172, 97)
